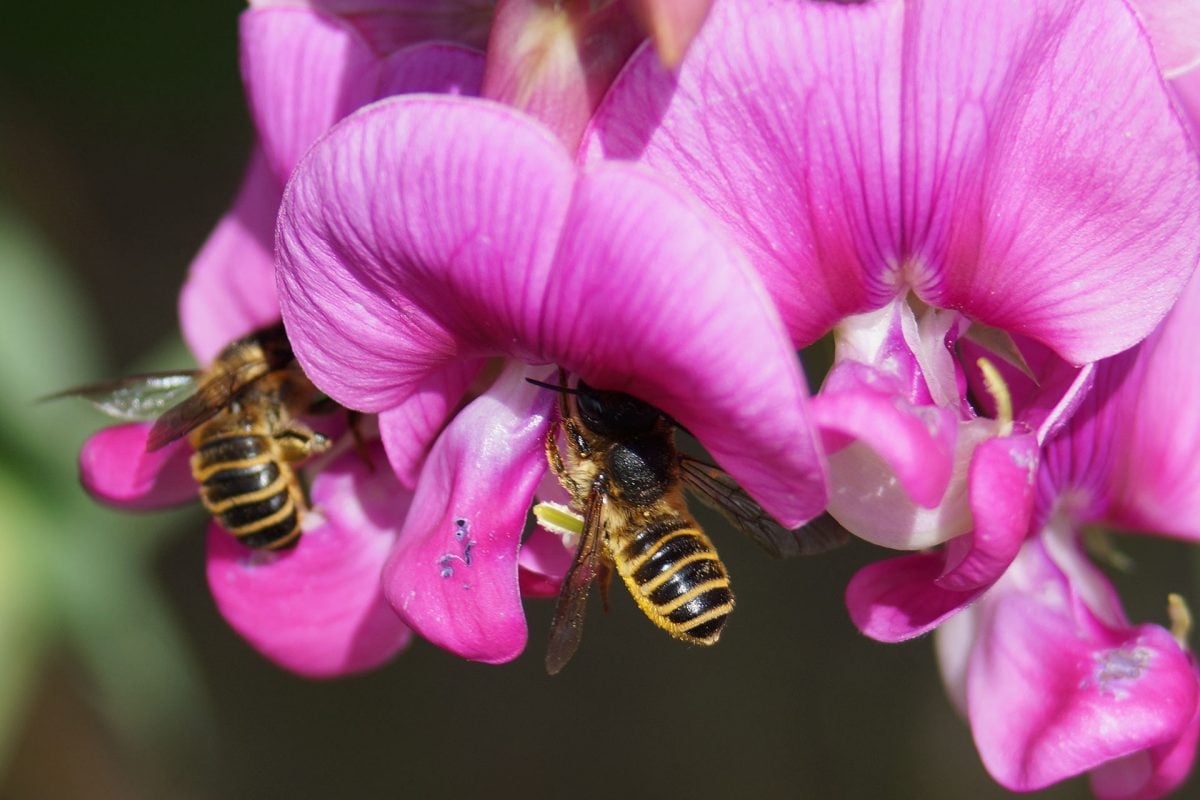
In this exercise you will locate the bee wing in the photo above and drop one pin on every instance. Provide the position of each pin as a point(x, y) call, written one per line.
point(211, 397)
point(714, 486)
point(135, 397)
point(567, 628)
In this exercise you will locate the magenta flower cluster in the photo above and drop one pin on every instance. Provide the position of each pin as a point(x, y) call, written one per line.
point(993, 209)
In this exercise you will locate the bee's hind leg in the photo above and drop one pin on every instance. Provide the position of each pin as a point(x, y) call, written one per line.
point(297, 441)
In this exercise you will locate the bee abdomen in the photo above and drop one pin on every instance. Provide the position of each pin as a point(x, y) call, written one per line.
point(247, 490)
point(678, 579)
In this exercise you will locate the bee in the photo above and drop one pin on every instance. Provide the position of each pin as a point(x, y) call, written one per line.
point(240, 417)
point(624, 473)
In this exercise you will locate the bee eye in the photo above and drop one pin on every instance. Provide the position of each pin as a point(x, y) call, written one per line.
point(591, 408)
point(614, 413)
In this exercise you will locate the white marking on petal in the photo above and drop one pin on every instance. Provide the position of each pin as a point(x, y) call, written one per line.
point(1115, 670)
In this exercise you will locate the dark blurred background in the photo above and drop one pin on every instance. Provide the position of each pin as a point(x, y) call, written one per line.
point(122, 138)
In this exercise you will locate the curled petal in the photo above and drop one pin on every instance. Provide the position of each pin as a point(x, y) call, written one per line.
point(898, 599)
point(115, 468)
point(915, 442)
point(230, 288)
point(901, 598)
point(453, 575)
point(318, 609)
point(1052, 691)
point(429, 230)
point(1002, 481)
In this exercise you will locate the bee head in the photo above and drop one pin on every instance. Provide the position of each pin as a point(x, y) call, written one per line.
point(614, 414)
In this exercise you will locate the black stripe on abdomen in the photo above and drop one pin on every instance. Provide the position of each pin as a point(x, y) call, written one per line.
point(680, 575)
point(239, 481)
point(274, 536)
point(237, 447)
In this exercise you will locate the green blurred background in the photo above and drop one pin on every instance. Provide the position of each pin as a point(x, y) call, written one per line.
point(122, 138)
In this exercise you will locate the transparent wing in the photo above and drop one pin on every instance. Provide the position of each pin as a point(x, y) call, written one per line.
point(213, 395)
point(135, 397)
point(714, 486)
point(567, 627)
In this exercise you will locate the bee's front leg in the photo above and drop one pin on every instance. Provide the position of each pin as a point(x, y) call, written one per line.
point(554, 457)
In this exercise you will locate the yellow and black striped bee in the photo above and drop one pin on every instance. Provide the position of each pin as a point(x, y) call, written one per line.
point(240, 416)
point(623, 472)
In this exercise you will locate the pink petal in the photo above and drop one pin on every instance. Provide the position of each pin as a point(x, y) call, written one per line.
point(544, 562)
point(554, 61)
point(453, 575)
point(915, 442)
point(1174, 29)
point(857, 151)
point(768, 136)
point(1151, 773)
point(901, 598)
point(230, 288)
point(898, 599)
point(429, 230)
point(408, 430)
point(1187, 92)
point(1002, 480)
point(115, 468)
point(1151, 422)
point(1086, 241)
point(1053, 692)
point(318, 609)
point(304, 71)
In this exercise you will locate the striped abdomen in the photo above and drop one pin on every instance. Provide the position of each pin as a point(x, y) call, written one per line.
point(675, 575)
point(248, 489)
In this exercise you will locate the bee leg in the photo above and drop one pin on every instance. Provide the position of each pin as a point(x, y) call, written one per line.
point(554, 457)
point(604, 578)
point(297, 441)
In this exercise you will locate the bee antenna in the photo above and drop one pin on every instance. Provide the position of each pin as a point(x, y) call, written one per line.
point(553, 386)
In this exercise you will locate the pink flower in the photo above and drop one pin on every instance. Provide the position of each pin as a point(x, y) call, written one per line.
point(1054, 679)
point(425, 235)
point(317, 609)
point(925, 179)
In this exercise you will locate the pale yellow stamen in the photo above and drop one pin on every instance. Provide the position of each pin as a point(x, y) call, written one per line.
point(998, 389)
point(558, 519)
point(1181, 619)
